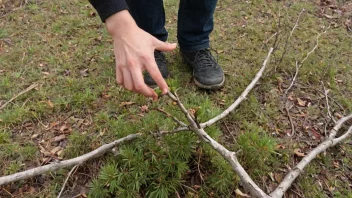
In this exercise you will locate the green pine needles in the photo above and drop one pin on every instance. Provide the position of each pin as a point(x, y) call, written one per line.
point(180, 163)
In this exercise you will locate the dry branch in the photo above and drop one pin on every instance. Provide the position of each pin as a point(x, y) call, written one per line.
point(304, 59)
point(329, 142)
point(173, 117)
point(242, 96)
point(326, 92)
point(230, 156)
point(19, 94)
point(290, 35)
point(66, 180)
point(67, 163)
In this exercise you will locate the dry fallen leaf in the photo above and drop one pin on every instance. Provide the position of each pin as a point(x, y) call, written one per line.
point(123, 104)
point(315, 133)
point(280, 146)
point(330, 17)
point(51, 104)
point(84, 72)
point(65, 129)
point(240, 193)
point(336, 164)
point(34, 136)
point(92, 14)
point(298, 152)
point(196, 187)
point(144, 108)
point(301, 102)
point(55, 150)
point(60, 152)
point(58, 138)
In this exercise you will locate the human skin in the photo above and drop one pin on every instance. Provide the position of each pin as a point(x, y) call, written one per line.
point(134, 53)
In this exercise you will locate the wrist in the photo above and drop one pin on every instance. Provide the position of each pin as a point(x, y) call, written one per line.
point(120, 22)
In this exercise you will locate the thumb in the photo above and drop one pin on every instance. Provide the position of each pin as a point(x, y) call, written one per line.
point(164, 46)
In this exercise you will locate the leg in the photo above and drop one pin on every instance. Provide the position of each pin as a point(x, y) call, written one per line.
point(149, 16)
point(195, 23)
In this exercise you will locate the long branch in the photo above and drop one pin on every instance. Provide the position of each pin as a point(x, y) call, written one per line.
point(297, 170)
point(230, 156)
point(79, 160)
point(67, 163)
point(242, 96)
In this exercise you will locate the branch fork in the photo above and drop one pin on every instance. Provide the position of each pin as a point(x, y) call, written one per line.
point(198, 128)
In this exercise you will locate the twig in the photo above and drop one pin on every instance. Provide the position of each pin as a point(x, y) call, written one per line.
point(304, 59)
point(291, 122)
point(275, 45)
point(271, 37)
point(242, 96)
point(68, 176)
point(189, 188)
point(327, 103)
point(19, 94)
point(294, 78)
point(200, 172)
point(7, 192)
point(173, 117)
point(173, 131)
point(290, 35)
point(329, 142)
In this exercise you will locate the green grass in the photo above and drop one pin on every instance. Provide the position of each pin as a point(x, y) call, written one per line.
point(53, 42)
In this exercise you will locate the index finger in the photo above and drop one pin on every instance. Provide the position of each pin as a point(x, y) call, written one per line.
point(154, 72)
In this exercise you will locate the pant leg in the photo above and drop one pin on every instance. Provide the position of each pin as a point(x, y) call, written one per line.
point(149, 16)
point(195, 23)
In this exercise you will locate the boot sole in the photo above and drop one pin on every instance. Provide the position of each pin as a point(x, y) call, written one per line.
point(210, 87)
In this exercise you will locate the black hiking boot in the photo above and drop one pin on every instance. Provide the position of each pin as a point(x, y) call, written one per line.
point(161, 62)
point(207, 73)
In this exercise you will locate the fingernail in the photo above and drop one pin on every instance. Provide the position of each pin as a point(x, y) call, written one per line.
point(165, 91)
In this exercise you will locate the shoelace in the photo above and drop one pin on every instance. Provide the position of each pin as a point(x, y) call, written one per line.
point(205, 59)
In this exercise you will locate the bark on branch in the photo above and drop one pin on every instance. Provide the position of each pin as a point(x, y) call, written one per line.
point(67, 163)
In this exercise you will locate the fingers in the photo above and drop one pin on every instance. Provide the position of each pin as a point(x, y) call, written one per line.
point(140, 86)
point(132, 79)
point(164, 46)
point(119, 76)
point(127, 79)
point(154, 72)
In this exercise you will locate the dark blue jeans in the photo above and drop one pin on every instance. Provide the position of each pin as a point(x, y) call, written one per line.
point(195, 21)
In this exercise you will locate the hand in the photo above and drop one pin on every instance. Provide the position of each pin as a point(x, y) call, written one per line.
point(134, 53)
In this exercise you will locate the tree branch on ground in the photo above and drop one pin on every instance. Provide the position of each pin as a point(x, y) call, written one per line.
point(298, 66)
point(19, 94)
point(198, 128)
point(290, 35)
